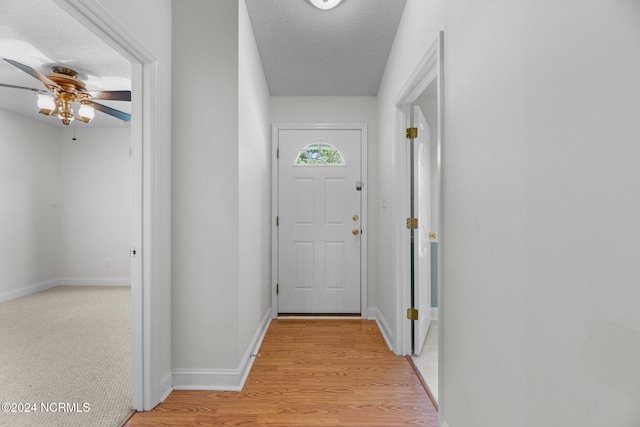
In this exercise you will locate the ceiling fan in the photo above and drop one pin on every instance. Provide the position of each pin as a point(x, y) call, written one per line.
point(64, 88)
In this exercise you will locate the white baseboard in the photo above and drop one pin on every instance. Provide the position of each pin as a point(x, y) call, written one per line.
point(434, 313)
point(64, 281)
point(222, 379)
point(23, 292)
point(253, 350)
point(94, 281)
point(165, 388)
point(206, 379)
point(374, 313)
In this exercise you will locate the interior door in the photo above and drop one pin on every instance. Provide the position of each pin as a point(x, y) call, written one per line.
point(319, 230)
point(421, 241)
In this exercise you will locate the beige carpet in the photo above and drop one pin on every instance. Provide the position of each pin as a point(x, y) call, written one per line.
point(66, 350)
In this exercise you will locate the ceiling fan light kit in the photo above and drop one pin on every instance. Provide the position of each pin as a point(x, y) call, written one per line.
point(64, 88)
point(86, 112)
point(46, 103)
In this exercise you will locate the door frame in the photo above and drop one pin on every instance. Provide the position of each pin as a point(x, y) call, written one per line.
point(430, 69)
point(275, 129)
point(420, 330)
point(146, 387)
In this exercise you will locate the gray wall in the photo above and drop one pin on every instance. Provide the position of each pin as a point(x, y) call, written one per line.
point(221, 194)
point(95, 203)
point(540, 272)
point(205, 200)
point(254, 139)
point(29, 218)
point(66, 206)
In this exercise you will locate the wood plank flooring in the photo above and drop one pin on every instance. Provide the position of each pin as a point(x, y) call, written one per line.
point(310, 373)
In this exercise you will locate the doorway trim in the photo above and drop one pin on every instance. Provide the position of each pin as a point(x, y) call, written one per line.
point(275, 129)
point(430, 69)
point(146, 389)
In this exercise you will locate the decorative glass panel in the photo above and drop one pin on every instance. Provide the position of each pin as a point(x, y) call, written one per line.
point(320, 153)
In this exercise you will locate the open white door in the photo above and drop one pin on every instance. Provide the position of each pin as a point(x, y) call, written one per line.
point(421, 241)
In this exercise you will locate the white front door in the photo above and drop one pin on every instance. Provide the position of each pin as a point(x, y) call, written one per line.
point(421, 241)
point(319, 221)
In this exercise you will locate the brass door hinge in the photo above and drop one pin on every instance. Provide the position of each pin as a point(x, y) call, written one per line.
point(277, 153)
point(412, 133)
point(277, 288)
point(412, 223)
point(412, 313)
point(277, 221)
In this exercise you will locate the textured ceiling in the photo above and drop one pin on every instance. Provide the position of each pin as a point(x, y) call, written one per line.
point(40, 34)
point(304, 51)
point(307, 51)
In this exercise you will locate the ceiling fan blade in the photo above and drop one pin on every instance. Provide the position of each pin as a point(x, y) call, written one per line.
point(113, 95)
point(33, 73)
point(40, 91)
point(112, 111)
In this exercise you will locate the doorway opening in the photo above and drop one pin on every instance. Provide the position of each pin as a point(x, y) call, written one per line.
point(425, 196)
point(319, 200)
point(146, 388)
point(419, 104)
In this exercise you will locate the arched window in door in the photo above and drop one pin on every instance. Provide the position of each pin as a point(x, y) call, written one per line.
point(320, 154)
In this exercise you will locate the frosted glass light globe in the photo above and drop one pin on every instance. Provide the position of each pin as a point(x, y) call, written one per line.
point(325, 4)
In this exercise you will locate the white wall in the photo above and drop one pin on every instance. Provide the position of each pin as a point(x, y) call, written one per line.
point(541, 272)
point(66, 205)
point(221, 198)
point(205, 160)
point(342, 109)
point(149, 21)
point(95, 203)
point(254, 145)
point(29, 198)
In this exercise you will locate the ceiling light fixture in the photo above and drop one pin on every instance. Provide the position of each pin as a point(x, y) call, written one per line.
point(325, 4)
point(46, 103)
point(69, 90)
point(64, 88)
point(86, 112)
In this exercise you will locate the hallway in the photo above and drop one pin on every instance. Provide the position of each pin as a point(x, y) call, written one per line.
point(310, 373)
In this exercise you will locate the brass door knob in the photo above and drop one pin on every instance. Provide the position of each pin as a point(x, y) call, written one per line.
point(356, 217)
point(355, 231)
point(433, 236)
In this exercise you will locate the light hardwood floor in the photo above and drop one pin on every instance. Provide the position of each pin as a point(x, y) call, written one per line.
point(310, 373)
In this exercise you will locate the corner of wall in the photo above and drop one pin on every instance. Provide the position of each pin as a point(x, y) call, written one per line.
point(94, 281)
point(383, 325)
point(23, 292)
point(164, 387)
point(222, 379)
